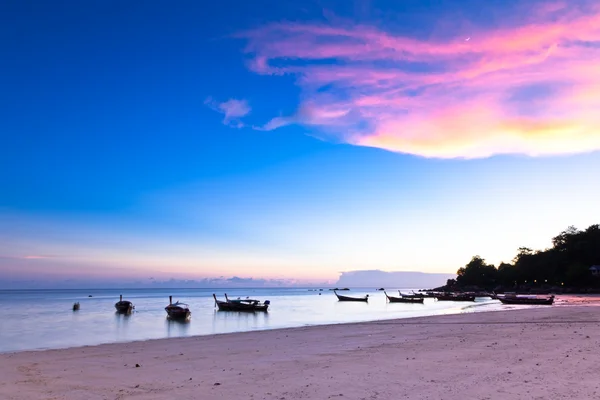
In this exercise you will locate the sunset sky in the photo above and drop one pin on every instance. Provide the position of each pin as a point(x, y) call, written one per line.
point(292, 139)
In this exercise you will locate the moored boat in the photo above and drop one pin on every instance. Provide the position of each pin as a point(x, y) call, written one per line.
point(455, 297)
point(413, 300)
point(348, 298)
point(177, 310)
point(124, 306)
point(413, 295)
point(248, 305)
point(522, 300)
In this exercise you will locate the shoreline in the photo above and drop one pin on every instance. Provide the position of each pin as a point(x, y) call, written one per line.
point(542, 351)
point(476, 308)
point(331, 324)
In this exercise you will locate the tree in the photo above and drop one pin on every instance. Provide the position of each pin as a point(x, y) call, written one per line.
point(507, 275)
point(568, 260)
point(477, 273)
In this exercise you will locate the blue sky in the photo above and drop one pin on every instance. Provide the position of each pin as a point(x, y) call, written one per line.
point(291, 140)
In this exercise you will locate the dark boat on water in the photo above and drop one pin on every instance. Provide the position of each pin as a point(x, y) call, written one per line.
point(424, 293)
point(455, 297)
point(247, 305)
point(411, 296)
point(347, 298)
point(180, 311)
point(124, 306)
point(412, 300)
point(519, 300)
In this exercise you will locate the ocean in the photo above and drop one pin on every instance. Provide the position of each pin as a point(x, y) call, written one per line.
point(44, 319)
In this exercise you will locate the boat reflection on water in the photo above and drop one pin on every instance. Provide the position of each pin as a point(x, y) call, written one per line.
point(122, 317)
point(227, 321)
point(177, 327)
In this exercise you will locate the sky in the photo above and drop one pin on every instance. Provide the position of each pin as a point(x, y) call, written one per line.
point(292, 141)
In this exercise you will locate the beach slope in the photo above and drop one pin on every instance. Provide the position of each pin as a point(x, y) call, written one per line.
point(543, 353)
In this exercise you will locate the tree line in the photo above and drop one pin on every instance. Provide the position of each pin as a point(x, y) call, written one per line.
point(567, 264)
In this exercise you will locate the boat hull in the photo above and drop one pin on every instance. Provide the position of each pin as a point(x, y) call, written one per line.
point(455, 298)
point(402, 300)
point(229, 306)
point(124, 307)
point(346, 298)
point(177, 313)
point(247, 305)
point(527, 301)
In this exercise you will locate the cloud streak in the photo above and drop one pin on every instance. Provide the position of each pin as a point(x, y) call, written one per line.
point(529, 89)
point(232, 109)
point(28, 257)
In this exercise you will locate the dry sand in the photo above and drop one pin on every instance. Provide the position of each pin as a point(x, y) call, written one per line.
point(543, 353)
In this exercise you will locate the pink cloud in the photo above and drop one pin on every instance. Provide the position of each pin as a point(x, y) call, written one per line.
point(232, 110)
point(529, 89)
point(29, 257)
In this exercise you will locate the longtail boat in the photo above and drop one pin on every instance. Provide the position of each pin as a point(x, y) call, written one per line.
point(124, 306)
point(455, 297)
point(248, 305)
point(543, 301)
point(347, 298)
point(180, 311)
point(413, 300)
point(411, 296)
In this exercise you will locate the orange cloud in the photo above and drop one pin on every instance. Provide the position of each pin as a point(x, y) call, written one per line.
point(530, 89)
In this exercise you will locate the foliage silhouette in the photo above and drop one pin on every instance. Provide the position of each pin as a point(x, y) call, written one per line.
point(565, 264)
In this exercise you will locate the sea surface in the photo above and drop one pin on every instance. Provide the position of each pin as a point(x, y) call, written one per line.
point(44, 319)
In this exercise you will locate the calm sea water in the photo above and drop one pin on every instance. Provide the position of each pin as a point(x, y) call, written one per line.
point(42, 319)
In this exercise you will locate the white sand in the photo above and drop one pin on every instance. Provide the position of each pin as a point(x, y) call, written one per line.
point(544, 353)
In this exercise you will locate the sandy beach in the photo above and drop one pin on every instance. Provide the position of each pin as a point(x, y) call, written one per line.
point(543, 353)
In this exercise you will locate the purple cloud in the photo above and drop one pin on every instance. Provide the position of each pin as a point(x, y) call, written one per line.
point(232, 109)
point(527, 86)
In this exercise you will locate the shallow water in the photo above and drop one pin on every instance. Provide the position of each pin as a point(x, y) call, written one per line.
point(42, 319)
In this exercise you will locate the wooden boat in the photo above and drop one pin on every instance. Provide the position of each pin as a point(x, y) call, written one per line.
point(455, 297)
point(247, 305)
point(544, 301)
point(347, 298)
point(411, 296)
point(180, 311)
point(426, 294)
point(413, 300)
point(124, 306)
point(481, 294)
point(76, 306)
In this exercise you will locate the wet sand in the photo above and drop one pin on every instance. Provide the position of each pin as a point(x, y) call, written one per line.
point(541, 353)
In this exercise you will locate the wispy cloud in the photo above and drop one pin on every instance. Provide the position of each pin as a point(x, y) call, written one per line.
point(232, 109)
point(529, 89)
point(29, 257)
